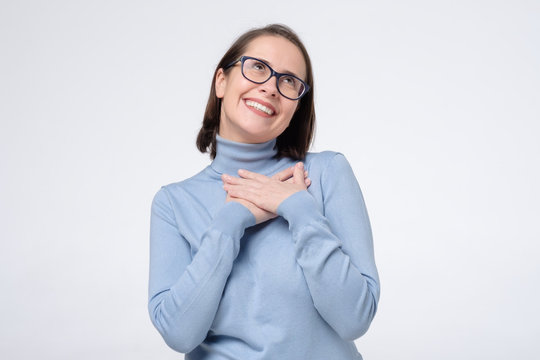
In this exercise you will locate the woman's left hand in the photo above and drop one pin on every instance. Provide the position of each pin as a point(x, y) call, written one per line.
point(265, 192)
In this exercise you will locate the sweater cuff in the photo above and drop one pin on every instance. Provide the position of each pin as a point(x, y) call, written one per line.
point(299, 209)
point(232, 219)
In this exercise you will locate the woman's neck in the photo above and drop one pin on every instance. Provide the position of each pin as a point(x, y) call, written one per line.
point(231, 156)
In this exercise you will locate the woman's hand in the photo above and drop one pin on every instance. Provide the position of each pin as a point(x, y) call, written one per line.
point(260, 214)
point(262, 195)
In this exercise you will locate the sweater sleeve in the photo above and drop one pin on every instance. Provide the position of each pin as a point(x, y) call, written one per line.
point(185, 291)
point(335, 250)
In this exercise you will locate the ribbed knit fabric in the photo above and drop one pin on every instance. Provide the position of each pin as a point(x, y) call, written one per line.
point(301, 286)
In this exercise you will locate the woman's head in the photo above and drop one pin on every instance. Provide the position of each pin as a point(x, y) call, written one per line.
point(241, 110)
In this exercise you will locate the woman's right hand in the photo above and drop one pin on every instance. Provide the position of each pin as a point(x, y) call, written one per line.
point(260, 214)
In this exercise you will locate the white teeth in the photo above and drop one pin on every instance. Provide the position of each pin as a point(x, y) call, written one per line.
point(258, 106)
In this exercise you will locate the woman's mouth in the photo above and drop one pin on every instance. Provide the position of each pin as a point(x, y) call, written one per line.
point(260, 107)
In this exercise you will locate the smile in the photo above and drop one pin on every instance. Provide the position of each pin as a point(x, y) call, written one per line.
point(260, 107)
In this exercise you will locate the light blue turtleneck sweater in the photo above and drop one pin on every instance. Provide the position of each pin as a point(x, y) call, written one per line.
point(301, 286)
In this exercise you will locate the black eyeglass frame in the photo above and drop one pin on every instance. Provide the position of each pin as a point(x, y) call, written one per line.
point(272, 73)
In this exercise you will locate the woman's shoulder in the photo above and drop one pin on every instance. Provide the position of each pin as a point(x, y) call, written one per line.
point(192, 184)
point(320, 164)
point(323, 159)
point(325, 155)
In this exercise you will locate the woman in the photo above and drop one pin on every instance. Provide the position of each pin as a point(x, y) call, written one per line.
point(250, 258)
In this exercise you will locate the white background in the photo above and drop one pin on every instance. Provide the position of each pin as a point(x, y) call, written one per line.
point(436, 104)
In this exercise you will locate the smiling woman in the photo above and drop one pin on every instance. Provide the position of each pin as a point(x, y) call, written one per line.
point(267, 253)
point(255, 112)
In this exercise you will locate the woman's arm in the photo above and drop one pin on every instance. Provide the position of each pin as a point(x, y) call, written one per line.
point(335, 250)
point(184, 292)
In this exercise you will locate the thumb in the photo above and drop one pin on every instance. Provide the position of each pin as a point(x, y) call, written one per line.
point(299, 173)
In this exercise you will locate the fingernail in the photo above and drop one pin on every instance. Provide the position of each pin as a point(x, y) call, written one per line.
point(301, 165)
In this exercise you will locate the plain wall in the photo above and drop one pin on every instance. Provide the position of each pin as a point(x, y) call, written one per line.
point(434, 103)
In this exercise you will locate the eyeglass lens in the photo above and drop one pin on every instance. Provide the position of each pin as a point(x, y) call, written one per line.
point(259, 72)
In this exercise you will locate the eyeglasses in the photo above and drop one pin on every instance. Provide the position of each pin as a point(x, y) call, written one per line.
point(259, 72)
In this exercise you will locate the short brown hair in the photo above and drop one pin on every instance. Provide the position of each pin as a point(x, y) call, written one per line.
point(295, 141)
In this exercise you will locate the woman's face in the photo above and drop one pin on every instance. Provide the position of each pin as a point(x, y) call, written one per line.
point(240, 120)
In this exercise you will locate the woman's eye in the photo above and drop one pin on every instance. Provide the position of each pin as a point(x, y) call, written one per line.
point(259, 66)
point(288, 80)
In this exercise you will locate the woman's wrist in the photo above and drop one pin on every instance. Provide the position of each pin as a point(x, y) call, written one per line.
point(298, 209)
point(233, 218)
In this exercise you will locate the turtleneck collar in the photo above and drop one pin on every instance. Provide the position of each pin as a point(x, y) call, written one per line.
point(231, 156)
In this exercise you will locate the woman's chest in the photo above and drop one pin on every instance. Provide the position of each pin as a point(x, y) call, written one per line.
point(267, 259)
point(266, 285)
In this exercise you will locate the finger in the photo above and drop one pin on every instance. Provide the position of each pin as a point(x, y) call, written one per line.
point(242, 192)
point(299, 173)
point(284, 174)
point(246, 174)
point(291, 180)
point(228, 179)
point(307, 182)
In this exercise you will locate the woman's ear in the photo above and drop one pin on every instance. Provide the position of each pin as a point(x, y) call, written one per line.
point(221, 83)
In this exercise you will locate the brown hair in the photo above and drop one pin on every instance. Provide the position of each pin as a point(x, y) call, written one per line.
point(295, 141)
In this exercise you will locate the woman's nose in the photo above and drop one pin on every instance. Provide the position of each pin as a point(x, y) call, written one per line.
point(270, 87)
